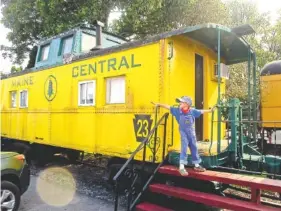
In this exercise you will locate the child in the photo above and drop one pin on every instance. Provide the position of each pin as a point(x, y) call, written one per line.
point(185, 116)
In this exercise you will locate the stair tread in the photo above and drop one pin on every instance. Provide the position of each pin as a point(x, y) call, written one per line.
point(146, 206)
point(208, 198)
point(227, 178)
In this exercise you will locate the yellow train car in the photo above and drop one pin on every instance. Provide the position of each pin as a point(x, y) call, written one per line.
point(270, 79)
point(270, 107)
point(100, 101)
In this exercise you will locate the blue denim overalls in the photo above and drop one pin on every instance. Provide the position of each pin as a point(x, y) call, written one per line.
point(188, 138)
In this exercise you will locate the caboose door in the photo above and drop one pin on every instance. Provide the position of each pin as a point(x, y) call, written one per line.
point(199, 93)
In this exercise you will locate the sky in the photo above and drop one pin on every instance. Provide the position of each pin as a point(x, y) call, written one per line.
point(271, 6)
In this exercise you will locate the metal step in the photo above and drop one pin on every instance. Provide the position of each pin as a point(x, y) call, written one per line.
point(227, 178)
point(209, 199)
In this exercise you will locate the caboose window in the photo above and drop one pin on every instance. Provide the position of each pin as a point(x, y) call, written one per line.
point(223, 69)
point(115, 90)
point(87, 93)
point(44, 52)
point(66, 46)
point(13, 99)
point(23, 99)
point(88, 42)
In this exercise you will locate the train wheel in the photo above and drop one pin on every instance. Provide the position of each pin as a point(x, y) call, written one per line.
point(42, 155)
point(73, 155)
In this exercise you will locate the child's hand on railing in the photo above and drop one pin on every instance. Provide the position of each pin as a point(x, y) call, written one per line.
point(213, 108)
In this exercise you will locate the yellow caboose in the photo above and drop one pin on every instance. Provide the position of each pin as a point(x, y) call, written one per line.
point(270, 105)
point(270, 78)
point(84, 95)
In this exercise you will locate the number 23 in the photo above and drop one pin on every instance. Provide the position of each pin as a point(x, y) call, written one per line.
point(143, 128)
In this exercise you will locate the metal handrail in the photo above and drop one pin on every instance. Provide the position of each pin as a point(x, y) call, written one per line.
point(131, 202)
point(139, 147)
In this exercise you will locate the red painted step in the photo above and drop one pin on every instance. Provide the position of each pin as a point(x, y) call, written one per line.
point(146, 206)
point(209, 199)
point(227, 178)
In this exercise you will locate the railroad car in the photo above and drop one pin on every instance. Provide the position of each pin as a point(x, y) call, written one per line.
point(270, 78)
point(99, 101)
point(270, 106)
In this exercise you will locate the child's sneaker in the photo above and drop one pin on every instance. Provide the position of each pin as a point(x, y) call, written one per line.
point(199, 168)
point(183, 172)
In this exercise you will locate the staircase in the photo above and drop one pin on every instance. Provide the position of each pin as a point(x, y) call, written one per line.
point(163, 197)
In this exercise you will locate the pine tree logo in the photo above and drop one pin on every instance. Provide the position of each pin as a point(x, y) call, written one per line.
point(50, 88)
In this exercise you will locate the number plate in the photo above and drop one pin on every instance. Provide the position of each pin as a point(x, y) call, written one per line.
point(142, 126)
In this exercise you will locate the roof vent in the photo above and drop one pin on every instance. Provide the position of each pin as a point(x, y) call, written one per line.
point(99, 26)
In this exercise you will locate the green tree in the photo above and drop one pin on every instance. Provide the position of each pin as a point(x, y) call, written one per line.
point(22, 18)
point(32, 20)
point(32, 57)
point(265, 42)
point(15, 69)
point(143, 18)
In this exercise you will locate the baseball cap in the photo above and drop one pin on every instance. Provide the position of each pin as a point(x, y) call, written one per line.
point(184, 99)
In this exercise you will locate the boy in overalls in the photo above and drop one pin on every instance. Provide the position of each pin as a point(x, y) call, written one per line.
point(185, 116)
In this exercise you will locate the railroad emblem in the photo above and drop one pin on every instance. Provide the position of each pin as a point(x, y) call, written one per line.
point(142, 126)
point(50, 88)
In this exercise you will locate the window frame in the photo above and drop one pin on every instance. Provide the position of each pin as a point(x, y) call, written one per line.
point(224, 71)
point(60, 53)
point(41, 49)
point(23, 90)
point(13, 91)
point(106, 90)
point(94, 91)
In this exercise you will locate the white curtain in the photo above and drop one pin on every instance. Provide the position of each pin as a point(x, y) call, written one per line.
point(88, 42)
point(116, 90)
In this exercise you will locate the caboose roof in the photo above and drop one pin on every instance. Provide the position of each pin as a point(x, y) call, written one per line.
point(234, 49)
point(272, 68)
point(76, 28)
